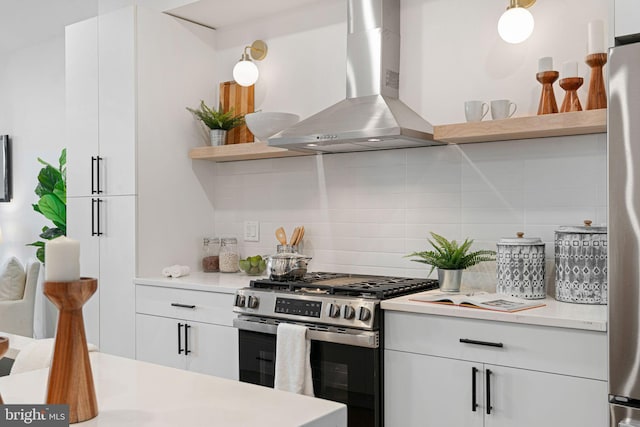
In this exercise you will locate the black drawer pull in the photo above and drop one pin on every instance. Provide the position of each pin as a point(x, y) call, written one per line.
point(488, 392)
point(180, 350)
point(474, 403)
point(175, 304)
point(485, 343)
point(186, 338)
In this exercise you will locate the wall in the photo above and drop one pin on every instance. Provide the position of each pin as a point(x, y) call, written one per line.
point(364, 211)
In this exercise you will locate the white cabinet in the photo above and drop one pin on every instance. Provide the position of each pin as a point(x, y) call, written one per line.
point(187, 329)
point(527, 375)
point(626, 17)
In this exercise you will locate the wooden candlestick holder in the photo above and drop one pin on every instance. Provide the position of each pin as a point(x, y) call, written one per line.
point(571, 101)
point(547, 103)
point(597, 97)
point(4, 346)
point(70, 376)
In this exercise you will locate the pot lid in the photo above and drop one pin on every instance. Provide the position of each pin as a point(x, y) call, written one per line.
point(586, 228)
point(520, 240)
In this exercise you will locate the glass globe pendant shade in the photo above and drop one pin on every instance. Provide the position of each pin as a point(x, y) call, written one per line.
point(245, 73)
point(515, 25)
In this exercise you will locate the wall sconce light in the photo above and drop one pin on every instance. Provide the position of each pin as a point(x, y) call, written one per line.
point(245, 72)
point(516, 24)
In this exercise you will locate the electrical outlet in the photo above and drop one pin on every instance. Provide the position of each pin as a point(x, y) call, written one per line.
point(251, 231)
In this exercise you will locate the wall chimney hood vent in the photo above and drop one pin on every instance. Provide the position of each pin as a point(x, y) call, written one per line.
point(371, 117)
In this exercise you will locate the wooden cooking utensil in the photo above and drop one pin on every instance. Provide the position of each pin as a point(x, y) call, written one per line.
point(300, 234)
point(294, 236)
point(281, 236)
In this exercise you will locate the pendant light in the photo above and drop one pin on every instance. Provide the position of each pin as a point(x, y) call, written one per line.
point(245, 72)
point(516, 23)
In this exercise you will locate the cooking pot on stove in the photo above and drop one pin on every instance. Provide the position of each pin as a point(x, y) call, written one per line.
point(285, 266)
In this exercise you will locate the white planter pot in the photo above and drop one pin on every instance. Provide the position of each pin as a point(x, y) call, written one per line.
point(218, 136)
point(450, 280)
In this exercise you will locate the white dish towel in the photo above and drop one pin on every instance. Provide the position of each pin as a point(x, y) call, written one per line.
point(176, 271)
point(293, 366)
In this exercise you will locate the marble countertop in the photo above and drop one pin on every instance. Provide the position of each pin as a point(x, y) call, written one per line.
point(227, 283)
point(554, 313)
point(134, 393)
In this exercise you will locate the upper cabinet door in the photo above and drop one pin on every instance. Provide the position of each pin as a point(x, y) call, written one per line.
point(81, 86)
point(627, 17)
point(117, 101)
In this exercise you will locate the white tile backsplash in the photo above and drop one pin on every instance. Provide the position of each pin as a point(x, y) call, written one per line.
point(364, 211)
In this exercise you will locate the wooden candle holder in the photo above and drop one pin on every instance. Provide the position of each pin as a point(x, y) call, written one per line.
point(547, 103)
point(4, 346)
point(70, 376)
point(597, 97)
point(571, 101)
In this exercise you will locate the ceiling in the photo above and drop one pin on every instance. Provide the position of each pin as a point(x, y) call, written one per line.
point(27, 22)
point(222, 13)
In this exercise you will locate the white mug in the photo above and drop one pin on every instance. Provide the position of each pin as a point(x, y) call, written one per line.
point(475, 111)
point(501, 109)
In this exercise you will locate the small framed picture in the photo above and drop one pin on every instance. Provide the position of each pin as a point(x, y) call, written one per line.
point(5, 168)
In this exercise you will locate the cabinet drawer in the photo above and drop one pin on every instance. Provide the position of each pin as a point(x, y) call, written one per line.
point(207, 307)
point(559, 350)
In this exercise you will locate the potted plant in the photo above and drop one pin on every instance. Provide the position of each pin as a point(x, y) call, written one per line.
point(217, 121)
point(451, 259)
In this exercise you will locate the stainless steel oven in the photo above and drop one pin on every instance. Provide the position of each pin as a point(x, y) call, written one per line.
point(344, 323)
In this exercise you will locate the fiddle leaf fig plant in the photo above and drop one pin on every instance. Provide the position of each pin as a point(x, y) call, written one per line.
point(217, 119)
point(52, 190)
point(450, 255)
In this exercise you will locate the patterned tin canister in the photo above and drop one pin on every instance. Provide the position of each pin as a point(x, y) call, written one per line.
point(581, 264)
point(520, 267)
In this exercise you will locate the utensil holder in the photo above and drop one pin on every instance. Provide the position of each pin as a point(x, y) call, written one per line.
point(597, 97)
point(547, 103)
point(4, 346)
point(571, 101)
point(70, 376)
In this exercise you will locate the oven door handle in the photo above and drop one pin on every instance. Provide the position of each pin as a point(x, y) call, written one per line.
point(369, 339)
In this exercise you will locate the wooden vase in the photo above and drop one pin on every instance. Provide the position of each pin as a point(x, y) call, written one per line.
point(547, 103)
point(70, 376)
point(597, 97)
point(571, 101)
point(4, 346)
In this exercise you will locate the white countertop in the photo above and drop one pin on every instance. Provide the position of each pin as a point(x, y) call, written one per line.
point(227, 283)
point(554, 313)
point(140, 394)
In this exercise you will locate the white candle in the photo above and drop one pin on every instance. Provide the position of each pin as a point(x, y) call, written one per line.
point(595, 40)
point(545, 64)
point(569, 69)
point(61, 260)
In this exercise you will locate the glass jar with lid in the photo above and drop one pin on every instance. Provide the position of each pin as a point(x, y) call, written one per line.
point(210, 254)
point(229, 256)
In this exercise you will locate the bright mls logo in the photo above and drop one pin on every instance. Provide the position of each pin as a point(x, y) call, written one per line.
point(34, 415)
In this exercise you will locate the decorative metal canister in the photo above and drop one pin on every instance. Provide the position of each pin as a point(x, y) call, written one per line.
point(581, 264)
point(520, 267)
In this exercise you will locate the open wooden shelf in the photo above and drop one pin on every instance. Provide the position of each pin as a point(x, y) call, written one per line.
point(248, 151)
point(559, 124)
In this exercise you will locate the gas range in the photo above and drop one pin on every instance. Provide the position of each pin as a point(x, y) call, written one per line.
point(335, 299)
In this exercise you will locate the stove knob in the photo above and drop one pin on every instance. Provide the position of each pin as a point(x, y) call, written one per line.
point(349, 312)
point(333, 310)
point(240, 299)
point(252, 302)
point(364, 314)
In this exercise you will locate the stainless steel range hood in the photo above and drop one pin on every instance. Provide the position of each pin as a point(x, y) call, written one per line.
point(372, 117)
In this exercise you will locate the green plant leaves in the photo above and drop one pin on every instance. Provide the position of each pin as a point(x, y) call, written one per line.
point(217, 119)
point(53, 209)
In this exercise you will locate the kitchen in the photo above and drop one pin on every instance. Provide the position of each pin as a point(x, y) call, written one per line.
point(363, 211)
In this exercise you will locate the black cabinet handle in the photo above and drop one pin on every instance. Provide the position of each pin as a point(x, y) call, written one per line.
point(93, 215)
point(485, 343)
point(488, 391)
point(186, 338)
point(98, 189)
point(175, 304)
point(474, 403)
point(93, 174)
point(180, 350)
point(98, 232)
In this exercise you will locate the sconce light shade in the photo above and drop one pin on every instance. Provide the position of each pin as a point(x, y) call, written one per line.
point(516, 24)
point(245, 73)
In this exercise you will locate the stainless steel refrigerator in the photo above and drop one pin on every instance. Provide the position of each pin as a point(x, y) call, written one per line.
point(624, 232)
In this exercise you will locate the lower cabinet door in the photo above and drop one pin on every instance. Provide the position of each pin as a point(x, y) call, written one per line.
point(423, 390)
point(157, 341)
point(532, 399)
point(213, 350)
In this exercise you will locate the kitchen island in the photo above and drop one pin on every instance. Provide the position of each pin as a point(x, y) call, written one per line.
point(134, 393)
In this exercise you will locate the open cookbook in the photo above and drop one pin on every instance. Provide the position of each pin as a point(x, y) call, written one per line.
point(481, 300)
